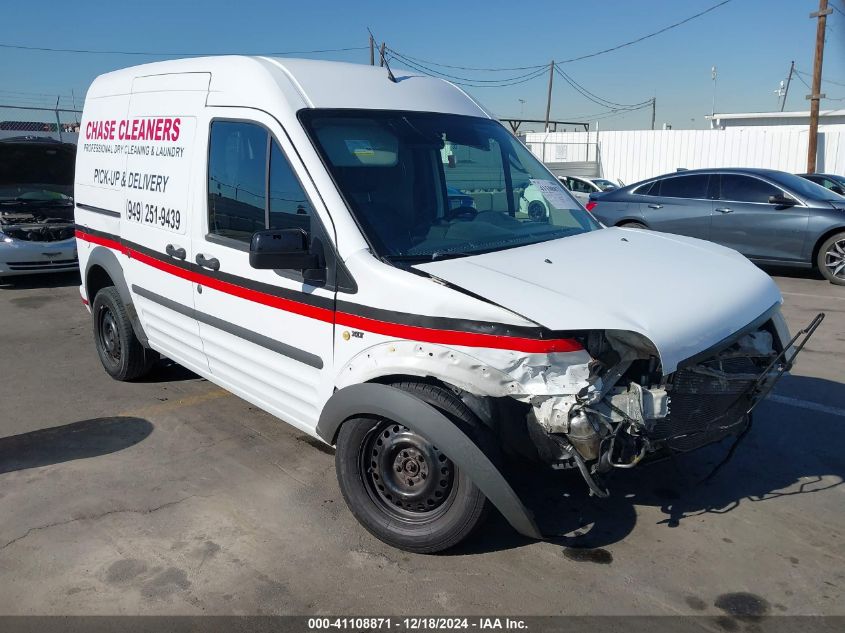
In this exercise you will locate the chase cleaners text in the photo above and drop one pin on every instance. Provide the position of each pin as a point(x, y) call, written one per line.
point(152, 129)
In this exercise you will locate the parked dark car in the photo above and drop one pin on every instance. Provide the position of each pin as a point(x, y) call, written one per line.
point(771, 217)
point(829, 181)
point(458, 198)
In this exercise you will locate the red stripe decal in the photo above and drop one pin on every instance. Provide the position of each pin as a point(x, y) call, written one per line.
point(409, 332)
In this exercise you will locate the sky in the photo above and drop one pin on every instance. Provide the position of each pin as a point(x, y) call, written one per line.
point(751, 43)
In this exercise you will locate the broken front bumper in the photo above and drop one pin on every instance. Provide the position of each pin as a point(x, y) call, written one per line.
point(714, 399)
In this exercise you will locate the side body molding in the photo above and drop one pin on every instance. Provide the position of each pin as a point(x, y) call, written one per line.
point(384, 401)
point(107, 260)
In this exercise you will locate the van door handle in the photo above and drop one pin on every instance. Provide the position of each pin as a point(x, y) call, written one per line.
point(655, 206)
point(724, 210)
point(175, 251)
point(211, 262)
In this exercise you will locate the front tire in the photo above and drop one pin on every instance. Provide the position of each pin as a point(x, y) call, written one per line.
point(831, 259)
point(404, 490)
point(121, 353)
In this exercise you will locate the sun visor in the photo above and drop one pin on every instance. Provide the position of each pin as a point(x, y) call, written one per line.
point(361, 144)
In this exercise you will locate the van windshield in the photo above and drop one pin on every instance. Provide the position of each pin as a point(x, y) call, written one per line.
point(426, 186)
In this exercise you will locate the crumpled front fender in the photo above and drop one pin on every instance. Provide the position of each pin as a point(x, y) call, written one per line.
point(481, 371)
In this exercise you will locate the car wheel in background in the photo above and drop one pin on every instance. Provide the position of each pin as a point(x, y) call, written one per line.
point(537, 211)
point(121, 353)
point(831, 259)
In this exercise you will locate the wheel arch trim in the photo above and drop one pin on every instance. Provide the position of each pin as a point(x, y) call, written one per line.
point(373, 399)
point(821, 239)
point(104, 258)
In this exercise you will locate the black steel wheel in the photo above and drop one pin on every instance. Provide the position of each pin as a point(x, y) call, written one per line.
point(402, 488)
point(108, 338)
point(406, 474)
point(831, 259)
point(121, 353)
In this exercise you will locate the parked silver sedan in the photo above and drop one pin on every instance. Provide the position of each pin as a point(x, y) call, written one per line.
point(36, 207)
point(771, 217)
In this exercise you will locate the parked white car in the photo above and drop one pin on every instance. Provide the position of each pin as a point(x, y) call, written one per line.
point(284, 229)
point(36, 207)
point(582, 187)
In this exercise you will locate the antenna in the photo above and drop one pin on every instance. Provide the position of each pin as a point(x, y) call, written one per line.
point(383, 59)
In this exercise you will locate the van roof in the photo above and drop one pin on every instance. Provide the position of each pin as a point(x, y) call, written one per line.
point(304, 83)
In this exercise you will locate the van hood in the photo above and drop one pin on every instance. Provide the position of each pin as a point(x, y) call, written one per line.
point(685, 295)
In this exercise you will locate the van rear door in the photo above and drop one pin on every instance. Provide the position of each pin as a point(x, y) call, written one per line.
point(159, 141)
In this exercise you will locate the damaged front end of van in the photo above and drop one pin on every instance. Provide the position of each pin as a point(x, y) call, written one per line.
point(619, 409)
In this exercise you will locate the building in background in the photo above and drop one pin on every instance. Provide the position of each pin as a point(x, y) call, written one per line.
point(773, 140)
point(724, 121)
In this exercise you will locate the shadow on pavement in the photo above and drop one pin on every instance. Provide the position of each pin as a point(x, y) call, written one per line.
point(789, 451)
point(166, 370)
point(47, 280)
point(78, 440)
point(796, 273)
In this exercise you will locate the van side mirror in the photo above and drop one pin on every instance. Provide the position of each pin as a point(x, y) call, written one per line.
point(281, 249)
point(782, 200)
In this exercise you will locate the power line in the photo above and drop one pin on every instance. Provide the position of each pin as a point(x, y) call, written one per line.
point(575, 59)
point(475, 68)
point(829, 81)
point(645, 37)
point(798, 74)
point(610, 113)
point(511, 81)
point(161, 54)
point(434, 72)
point(595, 98)
point(473, 83)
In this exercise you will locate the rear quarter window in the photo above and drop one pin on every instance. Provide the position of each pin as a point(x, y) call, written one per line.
point(648, 189)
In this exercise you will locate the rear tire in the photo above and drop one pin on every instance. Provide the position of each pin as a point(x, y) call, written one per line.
point(831, 259)
point(633, 225)
point(402, 488)
point(121, 353)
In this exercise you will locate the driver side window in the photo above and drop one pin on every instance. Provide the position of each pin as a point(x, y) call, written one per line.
point(237, 179)
point(251, 185)
point(580, 186)
point(738, 188)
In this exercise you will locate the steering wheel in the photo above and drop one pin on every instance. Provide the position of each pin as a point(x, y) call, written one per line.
point(461, 212)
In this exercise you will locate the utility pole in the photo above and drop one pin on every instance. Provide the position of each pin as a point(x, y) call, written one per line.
point(549, 98)
point(816, 96)
point(653, 110)
point(372, 51)
point(788, 81)
point(381, 55)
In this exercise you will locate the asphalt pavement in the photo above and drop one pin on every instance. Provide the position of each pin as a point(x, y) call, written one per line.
point(171, 496)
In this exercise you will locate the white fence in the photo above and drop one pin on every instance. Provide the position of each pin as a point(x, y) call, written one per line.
point(634, 155)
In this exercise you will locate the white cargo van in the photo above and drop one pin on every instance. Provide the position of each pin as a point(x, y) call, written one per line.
point(283, 228)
